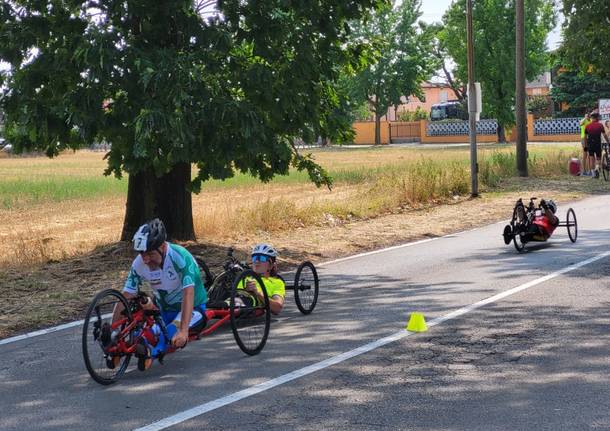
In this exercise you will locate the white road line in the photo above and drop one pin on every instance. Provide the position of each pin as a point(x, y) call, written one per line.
point(381, 250)
point(269, 384)
point(407, 244)
point(46, 331)
point(41, 332)
point(80, 322)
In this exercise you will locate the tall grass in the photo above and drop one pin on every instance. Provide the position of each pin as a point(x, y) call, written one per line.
point(381, 190)
point(75, 208)
point(78, 177)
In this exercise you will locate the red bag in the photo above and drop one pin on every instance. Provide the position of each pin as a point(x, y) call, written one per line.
point(574, 166)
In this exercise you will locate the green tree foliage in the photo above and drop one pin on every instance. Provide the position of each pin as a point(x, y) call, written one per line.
point(404, 58)
point(585, 35)
point(418, 114)
point(170, 88)
point(494, 40)
point(441, 56)
point(580, 92)
point(539, 106)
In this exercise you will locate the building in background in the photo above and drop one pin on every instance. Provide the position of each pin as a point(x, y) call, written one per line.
point(440, 92)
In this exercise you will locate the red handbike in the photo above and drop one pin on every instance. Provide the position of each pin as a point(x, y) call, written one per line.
point(109, 345)
point(520, 231)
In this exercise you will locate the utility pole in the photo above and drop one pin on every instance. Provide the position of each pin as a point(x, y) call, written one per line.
point(472, 105)
point(520, 114)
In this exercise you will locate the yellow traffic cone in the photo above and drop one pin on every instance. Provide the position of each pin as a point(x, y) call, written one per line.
point(417, 323)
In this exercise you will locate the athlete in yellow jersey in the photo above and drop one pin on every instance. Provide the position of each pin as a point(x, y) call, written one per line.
point(586, 169)
point(264, 263)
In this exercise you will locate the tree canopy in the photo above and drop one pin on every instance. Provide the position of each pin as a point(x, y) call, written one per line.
point(168, 87)
point(403, 57)
point(585, 36)
point(494, 47)
point(580, 92)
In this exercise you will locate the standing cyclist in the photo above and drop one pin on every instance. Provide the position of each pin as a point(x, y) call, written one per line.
point(594, 132)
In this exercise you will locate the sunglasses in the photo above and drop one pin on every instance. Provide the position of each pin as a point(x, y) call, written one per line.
point(260, 258)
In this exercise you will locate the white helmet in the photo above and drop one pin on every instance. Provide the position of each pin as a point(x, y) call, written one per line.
point(265, 250)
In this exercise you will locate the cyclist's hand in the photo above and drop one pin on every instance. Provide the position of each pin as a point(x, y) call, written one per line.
point(251, 286)
point(148, 304)
point(180, 339)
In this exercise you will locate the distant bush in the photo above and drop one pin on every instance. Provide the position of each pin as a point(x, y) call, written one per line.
point(418, 114)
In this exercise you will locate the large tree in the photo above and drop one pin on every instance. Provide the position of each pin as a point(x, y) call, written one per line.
point(404, 58)
point(585, 35)
point(439, 50)
point(170, 87)
point(581, 92)
point(494, 48)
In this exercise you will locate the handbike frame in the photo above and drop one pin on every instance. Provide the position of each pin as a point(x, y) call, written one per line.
point(529, 212)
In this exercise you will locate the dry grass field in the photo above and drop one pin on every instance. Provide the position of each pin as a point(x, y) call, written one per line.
point(61, 218)
point(60, 208)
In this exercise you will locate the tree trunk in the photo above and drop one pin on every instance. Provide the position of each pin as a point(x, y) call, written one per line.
point(174, 202)
point(166, 197)
point(140, 205)
point(501, 134)
point(377, 129)
point(520, 91)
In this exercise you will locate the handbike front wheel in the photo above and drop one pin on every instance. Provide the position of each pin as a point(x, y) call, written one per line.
point(250, 318)
point(572, 225)
point(306, 287)
point(102, 339)
point(515, 222)
point(519, 244)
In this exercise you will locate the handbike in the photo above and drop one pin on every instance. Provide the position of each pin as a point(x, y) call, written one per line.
point(109, 345)
point(306, 285)
point(519, 230)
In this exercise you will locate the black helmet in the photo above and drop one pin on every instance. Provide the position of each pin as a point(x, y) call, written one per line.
point(150, 236)
point(552, 206)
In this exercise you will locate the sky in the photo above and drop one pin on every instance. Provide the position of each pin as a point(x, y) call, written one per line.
point(433, 10)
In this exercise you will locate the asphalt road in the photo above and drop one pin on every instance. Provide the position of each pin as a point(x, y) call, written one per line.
point(537, 359)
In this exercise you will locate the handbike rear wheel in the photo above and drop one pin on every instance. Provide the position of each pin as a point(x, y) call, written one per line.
point(99, 336)
point(605, 166)
point(572, 225)
point(306, 287)
point(250, 322)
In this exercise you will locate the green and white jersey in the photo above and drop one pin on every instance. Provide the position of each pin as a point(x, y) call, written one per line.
point(180, 270)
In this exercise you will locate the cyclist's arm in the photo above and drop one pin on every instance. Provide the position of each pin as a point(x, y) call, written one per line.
point(276, 304)
point(130, 290)
point(188, 277)
point(188, 300)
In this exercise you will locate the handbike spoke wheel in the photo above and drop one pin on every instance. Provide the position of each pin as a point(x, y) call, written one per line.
point(516, 224)
point(306, 287)
point(519, 244)
point(102, 340)
point(250, 317)
point(220, 289)
point(572, 225)
point(605, 166)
